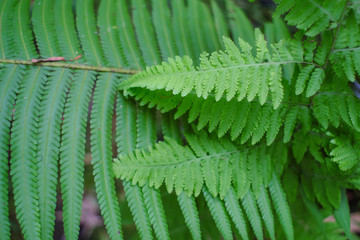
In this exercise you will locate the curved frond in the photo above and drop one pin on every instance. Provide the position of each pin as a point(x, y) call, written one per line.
point(110, 42)
point(48, 148)
point(73, 150)
point(101, 119)
point(233, 208)
point(188, 168)
point(156, 212)
point(312, 16)
point(164, 31)
point(252, 212)
point(7, 14)
point(11, 75)
point(145, 32)
point(257, 73)
point(218, 212)
point(23, 162)
point(281, 207)
point(191, 215)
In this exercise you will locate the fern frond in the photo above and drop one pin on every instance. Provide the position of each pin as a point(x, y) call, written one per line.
point(233, 208)
point(145, 32)
point(191, 215)
point(23, 37)
point(110, 42)
point(236, 18)
point(218, 211)
point(48, 148)
point(7, 13)
point(182, 34)
point(50, 113)
point(88, 33)
point(342, 215)
point(208, 27)
point(136, 202)
point(194, 18)
point(220, 68)
point(146, 136)
point(101, 119)
point(311, 16)
point(338, 107)
point(23, 151)
point(266, 212)
point(127, 36)
point(44, 27)
point(165, 34)
point(11, 75)
point(126, 142)
point(344, 154)
point(212, 162)
point(281, 207)
point(219, 21)
point(156, 212)
point(73, 150)
point(252, 212)
point(346, 55)
point(65, 25)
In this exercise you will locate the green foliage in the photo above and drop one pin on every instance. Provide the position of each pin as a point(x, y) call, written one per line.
point(257, 134)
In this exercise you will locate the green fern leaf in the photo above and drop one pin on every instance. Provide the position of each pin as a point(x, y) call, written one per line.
point(344, 154)
point(248, 67)
point(52, 106)
point(303, 78)
point(174, 161)
point(190, 212)
point(182, 34)
point(342, 215)
point(240, 178)
point(321, 111)
point(315, 81)
point(110, 42)
point(252, 212)
point(311, 16)
point(73, 150)
point(217, 210)
point(290, 122)
point(9, 88)
point(219, 20)
point(7, 13)
point(49, 147)
point(101, 119)
point(156, 212)
point(22, 142)
point(238, 18)
point(86, 26)
point(145, 32)
point(64, 24)
point(126, 142)
point(23, 37)
point(165, 35)
point(333, 193)
point(281, 207)
point(136, 202)
point(233, 208)
point(266, 212)
point(127, 36)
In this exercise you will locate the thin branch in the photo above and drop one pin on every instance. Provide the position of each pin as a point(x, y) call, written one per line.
point(71, 66)
point(346, 49)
